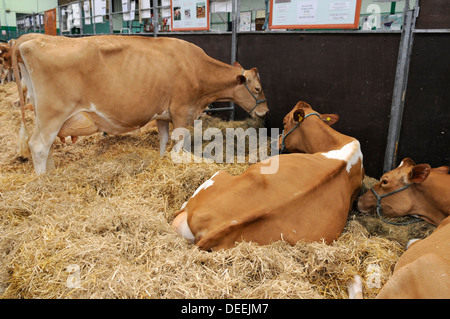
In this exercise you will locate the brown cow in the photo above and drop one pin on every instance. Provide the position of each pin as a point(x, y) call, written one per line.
point(5, 61)
point(117, 84)
point(307, 198)
point(423, 271)
point(411, 189)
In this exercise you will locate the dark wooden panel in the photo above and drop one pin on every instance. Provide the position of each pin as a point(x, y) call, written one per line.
point(434, 14)
point(348, 74)
point(217, 46)
point(425, 134)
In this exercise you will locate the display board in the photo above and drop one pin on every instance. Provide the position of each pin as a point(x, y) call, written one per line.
point(187, 15)
point(50, 22)
point(314, 14)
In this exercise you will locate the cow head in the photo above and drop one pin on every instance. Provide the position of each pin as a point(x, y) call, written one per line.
point(294, 130)
point(400, 203)
point(249, 93)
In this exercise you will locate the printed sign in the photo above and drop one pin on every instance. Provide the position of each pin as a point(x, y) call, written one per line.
point(189, 15)
point(314, 14)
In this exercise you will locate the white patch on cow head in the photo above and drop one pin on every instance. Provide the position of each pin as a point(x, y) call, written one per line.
point(349, 153)
point(205, 185)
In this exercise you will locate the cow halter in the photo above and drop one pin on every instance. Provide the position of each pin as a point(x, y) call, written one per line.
point(296, 125)
point(256, 99)
point(379, 212)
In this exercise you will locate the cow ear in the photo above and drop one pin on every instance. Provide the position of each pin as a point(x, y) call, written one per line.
point(236, 63)
point(329, 119)
point(298, 115)
point(419, 173)
point(241, 79)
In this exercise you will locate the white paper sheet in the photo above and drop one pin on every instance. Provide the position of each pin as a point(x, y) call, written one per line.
point(99, 10)
point(87, 12)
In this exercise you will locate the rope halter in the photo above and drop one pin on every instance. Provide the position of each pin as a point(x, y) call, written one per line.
point(296, 125)
point(253, 95)
point(379, 212)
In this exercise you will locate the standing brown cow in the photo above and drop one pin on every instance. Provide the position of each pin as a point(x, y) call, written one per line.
point(307, 198)
point(116, 84)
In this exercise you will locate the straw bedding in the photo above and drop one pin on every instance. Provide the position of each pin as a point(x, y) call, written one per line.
point(99, 227)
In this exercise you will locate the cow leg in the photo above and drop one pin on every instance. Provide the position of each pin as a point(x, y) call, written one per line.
point(50, 163)
point(41, 142)
point(163, 133)
point(180, 130)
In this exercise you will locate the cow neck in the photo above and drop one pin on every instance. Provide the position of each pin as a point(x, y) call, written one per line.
point(431, 203)
point(319, 137)
point(218, 82)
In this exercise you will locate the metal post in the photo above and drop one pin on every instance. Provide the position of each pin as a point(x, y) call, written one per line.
point(33, 19)
point(93, 16)
point(155, 20)
point(233, 31)
point(399, 92)
point(80, 5)
point(60, 20)
point(110, 13)
point(236, 9)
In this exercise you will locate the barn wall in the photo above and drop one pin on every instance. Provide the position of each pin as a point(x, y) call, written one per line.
point(348, 74)
point(425, 132)
point(351, 75)
point(217, 46)
point(434, 14)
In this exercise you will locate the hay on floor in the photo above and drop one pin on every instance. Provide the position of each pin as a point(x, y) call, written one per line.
point(99, 227)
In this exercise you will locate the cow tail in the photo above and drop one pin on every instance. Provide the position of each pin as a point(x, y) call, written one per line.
point(24, 134)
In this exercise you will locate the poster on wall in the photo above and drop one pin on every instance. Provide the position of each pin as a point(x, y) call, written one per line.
point(50, 22)
point(314, 14)
point(189, 15)
point(99, 10)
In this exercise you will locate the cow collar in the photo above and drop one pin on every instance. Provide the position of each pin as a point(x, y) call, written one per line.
point(296, 125)
point(379, 212)
point(256, 99)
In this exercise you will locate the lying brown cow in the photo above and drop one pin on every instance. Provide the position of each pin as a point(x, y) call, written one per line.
point(117, 84)
point(423, 271)
point(411, 189)
point(307, 198)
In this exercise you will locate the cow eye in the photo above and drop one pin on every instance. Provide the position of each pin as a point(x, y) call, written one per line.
point(384, 182)
point(257, 89)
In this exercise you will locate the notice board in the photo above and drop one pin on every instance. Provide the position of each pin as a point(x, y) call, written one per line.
point(314, 14)
point(187, 15)
point(50, 22)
